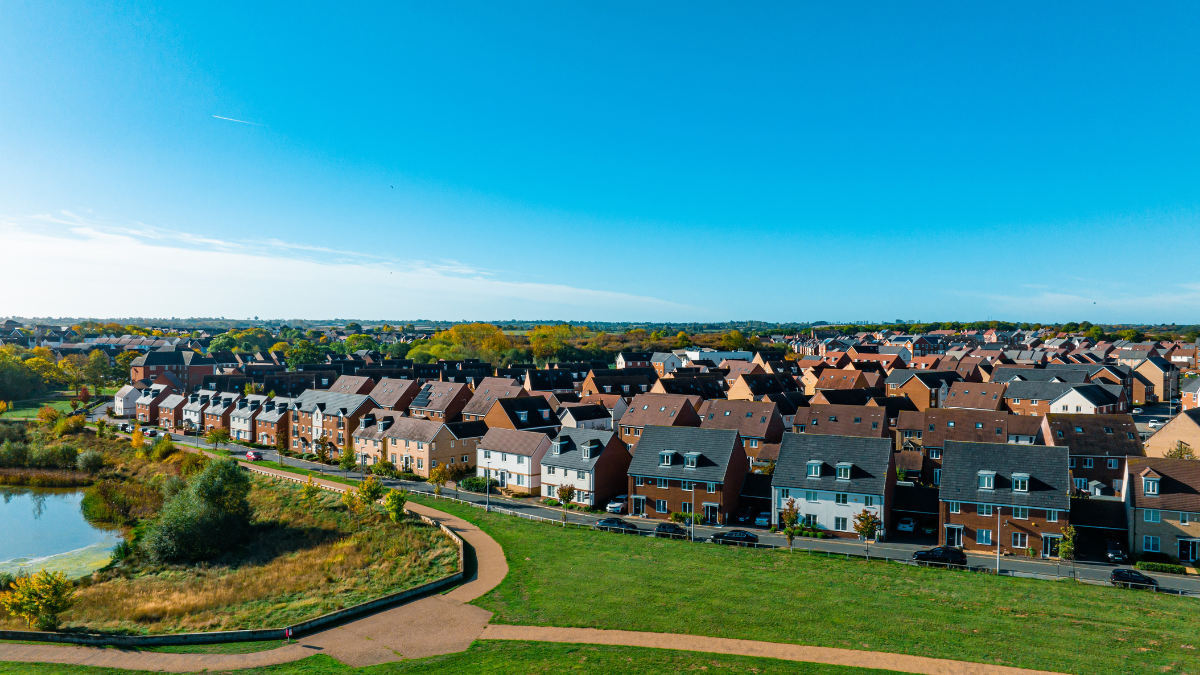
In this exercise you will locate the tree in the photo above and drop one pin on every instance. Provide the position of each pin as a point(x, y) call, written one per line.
point(222, 343)
point(1131, 335)
point(356, 342)
point(138, 439)
point(301, 353)
point(74, 366)
point(393, 503)
point(1180, 450)
point(49, 374)
point(279, 347)
point(734, 341)
point(217, 437)
point(322, 450)
point(901, 474)
point(371, 490)
point(790, 516)
point(39, 599)
point(439, 476)
point(865, 524)
point(123, 370)
point(566, 493)
point(310, 489)
point(346, 460)
point(84, 395)
point(1066, 545)
point(204, 519)
point(97, 369)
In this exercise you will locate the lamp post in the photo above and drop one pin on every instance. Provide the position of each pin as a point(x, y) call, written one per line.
point(999, 537)
point(693, 536)
point(487, 487)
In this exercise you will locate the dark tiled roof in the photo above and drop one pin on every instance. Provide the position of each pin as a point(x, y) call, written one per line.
point(789, 402)
point(1077, 375)
point(516, 442)
point(1178, 487)
point(580, 413)
point(1096, 435)
point(1049, 477)
point(655, 409)
point(843, 420)
point(467, 429)
point(750, 418)
point(715, 448)
point(1042, 391)
point(761, 384)
point(550, 380)
point(571, 454)
point(870, 457)
point(538, 413)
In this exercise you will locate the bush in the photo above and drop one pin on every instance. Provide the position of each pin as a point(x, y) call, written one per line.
point(6, 580)
point(193, 463)
point(1156, 557)
point(384, 468)
point(164, 448)
point(120, 503)
point(71, 424)
point(477, 483)
point(52, 457)
point(549, 501)
point(12, 432)
point(39, 599)
point(90, 461)
point(1161, 567)
point(204, 520)
point(14, 455)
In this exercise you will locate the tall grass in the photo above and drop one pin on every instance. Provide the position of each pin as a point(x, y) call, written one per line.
point(44, 478)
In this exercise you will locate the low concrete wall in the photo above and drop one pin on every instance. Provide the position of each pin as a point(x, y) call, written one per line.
point(298, 630)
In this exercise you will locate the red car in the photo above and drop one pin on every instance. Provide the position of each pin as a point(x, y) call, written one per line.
point(254, 455)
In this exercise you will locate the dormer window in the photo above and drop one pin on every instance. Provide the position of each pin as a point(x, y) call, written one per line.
point(690, 459)
point(523, 416)
point(558, 447)
point(664, 458)
point(1020, 482)
point(545, 414)
point(987, 480)
point(843, 470)
point(1150, 486)
point(1079, 430)
point(814, 469)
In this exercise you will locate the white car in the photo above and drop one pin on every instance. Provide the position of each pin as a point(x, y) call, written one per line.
point(906, 525)
point(617, 505)
point(1154, 424)
point(1137, 411)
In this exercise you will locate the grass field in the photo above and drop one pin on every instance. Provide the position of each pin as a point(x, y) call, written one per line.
point(518, 658)
point(573, 577)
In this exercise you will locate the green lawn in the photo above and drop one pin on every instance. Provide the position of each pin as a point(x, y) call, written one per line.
point(518, 658)
point(28, 408)
point(574, 577)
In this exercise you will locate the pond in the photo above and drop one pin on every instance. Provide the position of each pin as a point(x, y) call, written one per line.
point(41, 528)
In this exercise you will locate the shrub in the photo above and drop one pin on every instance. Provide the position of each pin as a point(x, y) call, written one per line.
point(120, 503)
point(48, 415)
point(205, 519)
point(1155, 557)
point(71, 424)
point(39, 599)
point(394, 502)
point(44, 478)
point(477, 483)
point(163, 449)
point(1161, 567)
point(12, 432)
point(384, 468)
point(14, 455)
point(774, 529)
point(90, 461)
point(121, 551)
point(549, 501)
point(192, 463)
point(52, 457)
point(410, 477)
point(6, 580)
point(371, 490)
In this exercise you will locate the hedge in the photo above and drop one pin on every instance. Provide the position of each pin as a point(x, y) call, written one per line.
point(1160, 567)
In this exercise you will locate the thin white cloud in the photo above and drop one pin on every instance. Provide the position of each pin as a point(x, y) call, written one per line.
point(240, 121)
point(103, 270)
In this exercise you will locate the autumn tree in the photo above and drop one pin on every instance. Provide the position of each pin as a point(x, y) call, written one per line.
point(301, 353)
point(865, 524)
point(566, 493)
point(97, 369)
point(39, 599)
point(439, 476)
point(1180, 450)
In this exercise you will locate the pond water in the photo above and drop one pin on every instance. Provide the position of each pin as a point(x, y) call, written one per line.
point(42, 528)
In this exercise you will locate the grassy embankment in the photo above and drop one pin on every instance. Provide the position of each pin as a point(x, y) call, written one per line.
point(518, 658)
point(633, 583)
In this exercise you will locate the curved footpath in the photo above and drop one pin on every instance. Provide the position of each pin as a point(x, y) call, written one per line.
point(444, 624)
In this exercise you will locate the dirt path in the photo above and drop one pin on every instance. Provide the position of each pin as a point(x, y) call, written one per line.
point(443, 624)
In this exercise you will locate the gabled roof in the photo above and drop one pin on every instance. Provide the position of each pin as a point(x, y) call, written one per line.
point(475, 429)
point(714, 448)
point(550, 380)
point(932, 379)
point(761, 384)
point(1042, 391)
point(1178, 483)
point(390, 391)
point(437, 395)
point(1076, 375)
point(401, 428)
point(869, 456)
point(789, 403)
point(1049, 477)
point(490, 389)
point(171, 402)
point(958, 424)
point(538, 413)
point(1095, 394)
point(1095, 435)
point(843, 420)
point(331, 403)
point(526, 443)
point(704, 386)
point(657, 409)
point(352, 384)
point(750, 418)
point(581, 413)
point(570, 452)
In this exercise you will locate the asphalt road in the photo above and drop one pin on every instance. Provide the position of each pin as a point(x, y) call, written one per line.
point(1093, 572)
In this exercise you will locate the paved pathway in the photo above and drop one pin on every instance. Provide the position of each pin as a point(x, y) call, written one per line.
point(444, 624)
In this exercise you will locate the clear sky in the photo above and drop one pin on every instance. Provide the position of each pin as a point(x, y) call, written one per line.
point(608, 161)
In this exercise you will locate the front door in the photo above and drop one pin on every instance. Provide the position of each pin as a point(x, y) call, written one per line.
point(639, 506)
point(503, 478)
point(954, 536)
point(710, 513)
point(1189, 550)
point(1050, 546)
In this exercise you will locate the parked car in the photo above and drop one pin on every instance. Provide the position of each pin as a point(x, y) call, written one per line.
point(254, 455)
point(929, 526)
point(907, 524)
point(744, 516)
point(1131, 579)
point(1115, 554)
point(617, 505)
point(1137, 411)
point(151, 433)
point(615, 525)
point(1154, 424)
point(734, 538)
point(945, 555)
point(763, 519)
point(670, 531)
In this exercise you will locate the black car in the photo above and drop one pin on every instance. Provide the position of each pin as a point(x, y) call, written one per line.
point(1131, 579)
point(944, 555)
point(1115, 554)
point(745, 516)
point(734, 538)
point(670, 531)
point(615, 525)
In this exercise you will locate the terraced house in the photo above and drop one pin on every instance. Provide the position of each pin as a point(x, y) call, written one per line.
point(592, 461)
point(1163, 506)
point(1099, 446)
point(834, 478)
point(416, 445)
point(678, 469)
point(318, 415)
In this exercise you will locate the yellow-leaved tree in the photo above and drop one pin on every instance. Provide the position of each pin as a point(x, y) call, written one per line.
point(39, 599)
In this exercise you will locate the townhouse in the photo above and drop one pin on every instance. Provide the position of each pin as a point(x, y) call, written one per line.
point(843, 420)
point(616, 405)
point(832, 479)
point(554, 381)
point(925, 388)
point(188, 366)
point(1015, 497)
point(487, 392)
point(593, 461)
point(440, 401)
point(665, 362)
point(757, 422)
point(415, 445)
point(1163, 377)
point(170, 412)
point(271, 425)
point(1099, 446)
point(1179, 436)
point(682, 469)
point(193, 411)
point(977, 396)
point(243, 417)
point(125, 401)
point(513, 459)
point(578, 416)
point(324, 415)
point(529, 413)
point(656, 410)
point(634, 360)
point(147, 404)
point(756, 387)
point(216, 415)
point(616, 382)
point(1162, 505)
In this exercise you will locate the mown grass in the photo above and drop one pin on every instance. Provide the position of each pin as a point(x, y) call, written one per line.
point(574, 577)
point(302, 559)
point(518, 658)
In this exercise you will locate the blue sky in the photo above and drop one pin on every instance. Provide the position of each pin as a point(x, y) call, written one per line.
point(679, 161)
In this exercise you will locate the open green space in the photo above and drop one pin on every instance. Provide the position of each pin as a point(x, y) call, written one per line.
point(518, 658)
point(576, 577)
point(28, 408)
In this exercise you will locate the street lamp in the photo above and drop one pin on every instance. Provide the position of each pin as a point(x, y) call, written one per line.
point(487, 487)
point(998, 538)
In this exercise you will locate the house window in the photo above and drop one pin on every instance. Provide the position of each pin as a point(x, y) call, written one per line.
point(868, 501)
point(983, 537)
point(1070, 462)
point(937, 476)
point(1150, 544)
point(550, 470)
point(1153, 515)
point(504, 457)
point(712, 488)
point(464, 459)
point(1020, 513)
point(1020, 483)
point(420, 463)
point(638, 481)
point(520, 459)
point(1051, 516)
point(689, 462)
point(1087, 462)
point(688, 486)
point(1150, 486)
point(839, 524)
point(843, 472)
point(935, 453)
point(1112, 463)
point(984, 509)
point(814, 469)
point(987, 481)
point(810, 495)
point(840, 498)
point(1184, 519)
point(810, 519)
point(487, 454)
point(579, 475)
point(660, 505)
point(955, 507)
point(1020, 540)
point(662, 483)
point(754, 442)
point(858, 420)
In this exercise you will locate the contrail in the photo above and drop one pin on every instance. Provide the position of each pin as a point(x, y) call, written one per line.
point(233, 120)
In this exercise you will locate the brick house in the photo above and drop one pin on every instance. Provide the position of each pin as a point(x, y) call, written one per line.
point(925, 388)
point(271, 425)
point(415, 445)
point(147, 404)
point(593, 461)
point(615, 382)
point(487, 392)
point(216, 415)
point(1014, 496)
point(189, 366)
point(927, 433)
point(242, 419)
point(1189, 397)
point(834, 478)
point(527, 413)
point(513, 459)
point(352, 384)
point(665, 362)
point(842, 420)
point(736, 369)
point(592, 416)
point(757, 422)
point(756, 387)
point(193, 411)
point(1099, 446)
point(1162, 375)
point(170, 412)
point(394, 394)
point(1183, 428)
point(440, 401)
point(706, 386)
point(616, 405)
point(1162, 505)
point(634, 360)
point(321, 414)
point(657, 410)
point(977, 396)
point(849, 378)
point(674, 468)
